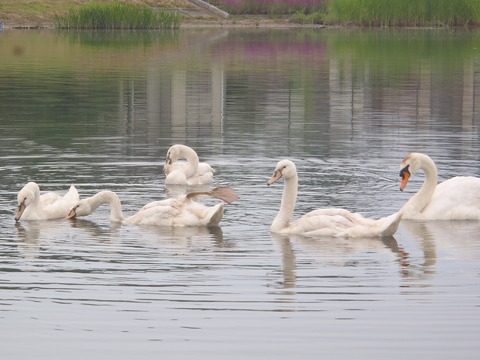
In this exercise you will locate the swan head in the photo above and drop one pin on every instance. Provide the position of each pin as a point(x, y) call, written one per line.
point(82, 208)
point(177, 152)
point(285, 169)
point(27, 196)
point(173, 154)
point(409, 165)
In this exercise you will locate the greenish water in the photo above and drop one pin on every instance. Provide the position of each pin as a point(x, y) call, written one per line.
point(100, 109)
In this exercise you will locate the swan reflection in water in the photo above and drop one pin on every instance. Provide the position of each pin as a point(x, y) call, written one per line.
point(437, 239)
point(333, 251)
point(36, 237)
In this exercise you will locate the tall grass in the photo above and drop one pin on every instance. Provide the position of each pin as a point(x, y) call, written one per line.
point(117, 15)
point(404, 12)
point(269, 7)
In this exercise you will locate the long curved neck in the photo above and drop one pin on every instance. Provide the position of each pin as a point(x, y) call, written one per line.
point(421, 199)
point(192, 161)
point(287, 206)
point(110, 198)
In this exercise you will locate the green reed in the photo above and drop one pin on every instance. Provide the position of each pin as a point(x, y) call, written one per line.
point(405, 12)
point(315, 17)
point(117, 15)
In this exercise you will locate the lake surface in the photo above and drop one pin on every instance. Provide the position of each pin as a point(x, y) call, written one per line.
point(100, 109)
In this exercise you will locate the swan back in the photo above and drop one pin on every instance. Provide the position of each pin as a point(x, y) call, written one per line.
point(457, 198)
point(182, 212)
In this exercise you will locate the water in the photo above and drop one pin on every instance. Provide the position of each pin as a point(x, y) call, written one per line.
point(99, 110)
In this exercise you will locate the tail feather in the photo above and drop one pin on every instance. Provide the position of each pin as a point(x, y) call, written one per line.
point(224, 193)
point(390, 224)
point(72, 194)
point(216, 215)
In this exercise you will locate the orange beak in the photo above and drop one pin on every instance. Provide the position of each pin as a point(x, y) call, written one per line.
point(405, 174)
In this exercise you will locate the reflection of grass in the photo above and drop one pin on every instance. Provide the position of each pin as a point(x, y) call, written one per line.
point(398, 55)
point(122, 39)
point(117, 15)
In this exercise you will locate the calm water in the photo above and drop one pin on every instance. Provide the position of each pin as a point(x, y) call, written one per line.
point(99, 110)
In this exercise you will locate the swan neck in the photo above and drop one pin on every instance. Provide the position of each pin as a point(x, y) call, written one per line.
point(421, 199)
point(287, 205)
point(192, 161)
point(110, 198)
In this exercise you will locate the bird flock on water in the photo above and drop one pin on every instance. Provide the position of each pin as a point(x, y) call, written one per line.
point(457, 198)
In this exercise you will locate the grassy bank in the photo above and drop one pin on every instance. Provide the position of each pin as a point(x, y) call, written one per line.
point(117, 15)
point(33, 13)
point(39, 13)
point(363, 12)
point(405, 12)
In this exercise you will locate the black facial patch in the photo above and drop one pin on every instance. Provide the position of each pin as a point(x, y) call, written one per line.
point(404, 170)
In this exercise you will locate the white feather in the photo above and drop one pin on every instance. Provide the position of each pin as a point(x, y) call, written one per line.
point(457, 198)
point(323, 222)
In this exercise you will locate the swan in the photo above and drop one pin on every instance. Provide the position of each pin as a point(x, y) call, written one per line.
point(323, 222)
point(193, 172)
point(177, 212)
point(33, 206)
point(457, 198)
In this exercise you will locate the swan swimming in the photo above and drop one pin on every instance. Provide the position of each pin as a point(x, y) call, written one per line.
point(177, 212)
point(33, 206)
point(323, 222)
point(457, 198)
point(193, 172)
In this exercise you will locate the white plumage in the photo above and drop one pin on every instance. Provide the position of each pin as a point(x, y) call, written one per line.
point(192, 172)
point(33, 206)
point(457, 198)
point(323, 222)
point(177, 212)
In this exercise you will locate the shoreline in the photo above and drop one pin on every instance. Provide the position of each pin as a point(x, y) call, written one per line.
point(196, 23)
